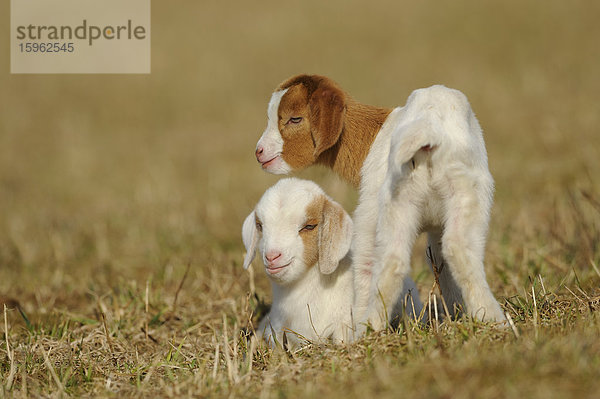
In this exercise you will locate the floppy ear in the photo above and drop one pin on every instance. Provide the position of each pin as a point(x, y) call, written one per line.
point(327, 111)
point(335, 236)
point(250, 238)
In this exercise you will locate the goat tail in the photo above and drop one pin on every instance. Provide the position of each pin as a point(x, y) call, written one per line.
point(408, 139)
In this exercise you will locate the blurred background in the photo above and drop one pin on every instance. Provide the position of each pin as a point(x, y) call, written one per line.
point(111, 178)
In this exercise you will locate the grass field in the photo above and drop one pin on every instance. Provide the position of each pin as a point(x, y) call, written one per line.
point(112, 187)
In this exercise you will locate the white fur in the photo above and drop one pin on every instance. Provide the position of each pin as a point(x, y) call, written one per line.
point(270, 145)
point(307, 303)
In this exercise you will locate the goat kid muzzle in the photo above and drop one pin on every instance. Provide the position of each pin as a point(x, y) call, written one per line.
point(276, 269)
point(265, 158)
point(274, 262)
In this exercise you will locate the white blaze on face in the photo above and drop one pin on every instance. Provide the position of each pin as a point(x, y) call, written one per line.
point(270, 145)
point(282, 212)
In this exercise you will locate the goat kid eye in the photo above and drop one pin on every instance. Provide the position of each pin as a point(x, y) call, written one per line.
point(309, 227)
point(294, 120)
point(258, 226)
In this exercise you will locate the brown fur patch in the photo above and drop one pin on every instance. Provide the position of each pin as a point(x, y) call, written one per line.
point(298, 145)
point(321, 244)
point(361, 125)
point(336, 130)
point(327, 107)
point(311, 82)
point(310, 238)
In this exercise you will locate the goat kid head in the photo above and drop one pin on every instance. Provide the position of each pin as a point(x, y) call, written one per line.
point(295, 226)
point(305, 118)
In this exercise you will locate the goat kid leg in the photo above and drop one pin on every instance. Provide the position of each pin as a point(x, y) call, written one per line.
point(397, 230)
point(463, 246)
point(362, 254)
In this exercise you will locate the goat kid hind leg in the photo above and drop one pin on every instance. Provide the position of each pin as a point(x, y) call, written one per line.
point(363, 244)
point(463, 243)
point(397, 229)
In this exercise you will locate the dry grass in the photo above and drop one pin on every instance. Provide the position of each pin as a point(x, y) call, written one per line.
point(110, 186)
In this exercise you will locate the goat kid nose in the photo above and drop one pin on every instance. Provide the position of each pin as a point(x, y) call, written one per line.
point(259, 151)
point(272, 256)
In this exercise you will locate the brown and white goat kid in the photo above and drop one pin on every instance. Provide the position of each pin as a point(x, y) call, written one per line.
point(421, 167)
point(303, 238)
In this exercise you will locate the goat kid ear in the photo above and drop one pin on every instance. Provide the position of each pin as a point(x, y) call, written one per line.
point(335, 236)
point(250, 238)
point(327, 111)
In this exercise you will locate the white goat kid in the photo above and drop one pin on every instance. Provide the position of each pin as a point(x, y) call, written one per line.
point(437, 181)
point(303, 238)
